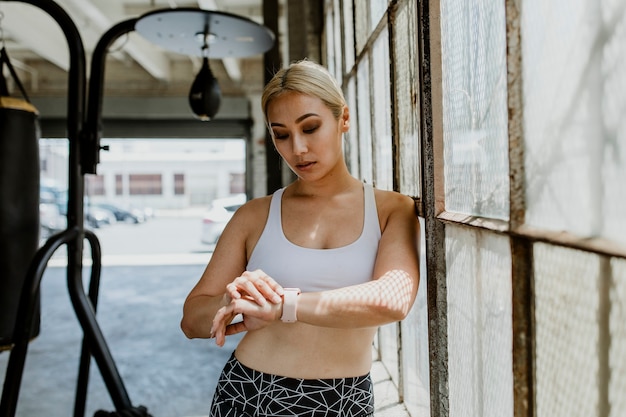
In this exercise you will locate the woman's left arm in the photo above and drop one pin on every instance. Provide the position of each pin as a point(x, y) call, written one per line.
point(390, 295)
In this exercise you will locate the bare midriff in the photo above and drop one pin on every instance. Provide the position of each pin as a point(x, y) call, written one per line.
point(299, 350)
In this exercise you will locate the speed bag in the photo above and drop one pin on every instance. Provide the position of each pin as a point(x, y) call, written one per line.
point(19, 209)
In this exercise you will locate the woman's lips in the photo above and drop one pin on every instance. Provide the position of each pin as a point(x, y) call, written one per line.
point(304, 165)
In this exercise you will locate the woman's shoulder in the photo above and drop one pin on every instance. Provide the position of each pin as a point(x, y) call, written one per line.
point(392, 200)
point(393, 204)
point(254, 209)
point(246, 225)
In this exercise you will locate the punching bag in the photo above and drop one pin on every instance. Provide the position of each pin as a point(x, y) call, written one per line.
point(19, 200)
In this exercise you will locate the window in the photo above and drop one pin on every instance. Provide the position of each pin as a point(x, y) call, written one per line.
point(145, 184)
point(179, 184)
point(237, 183)
point(94, 185)
point(119, 184)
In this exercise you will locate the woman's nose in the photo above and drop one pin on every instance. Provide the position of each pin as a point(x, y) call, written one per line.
point(299, 145)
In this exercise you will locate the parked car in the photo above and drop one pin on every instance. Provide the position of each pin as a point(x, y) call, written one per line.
point(121, 214)
point(50, 219)
point(97, 217)
point(220, 212)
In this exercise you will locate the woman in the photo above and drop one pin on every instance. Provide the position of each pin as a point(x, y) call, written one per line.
point(313, 270)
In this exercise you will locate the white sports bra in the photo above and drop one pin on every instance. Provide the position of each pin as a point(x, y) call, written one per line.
point(317, 269)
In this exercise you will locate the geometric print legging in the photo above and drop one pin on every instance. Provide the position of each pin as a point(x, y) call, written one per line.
point(244, 392)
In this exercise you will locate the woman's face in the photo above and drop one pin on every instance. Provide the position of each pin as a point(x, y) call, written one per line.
point(306, 135)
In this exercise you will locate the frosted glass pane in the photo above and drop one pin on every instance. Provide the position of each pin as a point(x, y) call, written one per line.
point(339, 70)
point(364, 121)
point(377, 11)
point(475, 120)
point(406, 96)
point(617, 331)
point(351, 146)
point(330, 44)
point(367, 15)
point(575, 115)
point(388, 347)
point(613, 103)
point(381, 113)
point(360, 22)
point(566, 317)
point(480, 342)
point(348, 34)
point(415, 359)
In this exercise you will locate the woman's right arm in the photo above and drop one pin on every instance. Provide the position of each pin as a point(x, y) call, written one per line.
point(227, 266)
point(209, 294)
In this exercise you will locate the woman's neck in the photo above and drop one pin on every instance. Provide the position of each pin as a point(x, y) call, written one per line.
point(329, 186)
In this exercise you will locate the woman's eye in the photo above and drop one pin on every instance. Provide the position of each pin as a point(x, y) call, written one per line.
point(280, 135)
point(310, 129)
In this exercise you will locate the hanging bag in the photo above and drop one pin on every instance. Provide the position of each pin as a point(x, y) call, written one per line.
point(19, 199)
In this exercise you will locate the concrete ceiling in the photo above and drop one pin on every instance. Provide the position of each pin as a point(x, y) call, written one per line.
point(135, 67)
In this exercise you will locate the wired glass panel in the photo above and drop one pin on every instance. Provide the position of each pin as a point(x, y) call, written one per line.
point(364, 121)
point(381, 113)
point(575, 130)
point(478, 266)
point(406, 83)
point(568, 326)
point(475, 118)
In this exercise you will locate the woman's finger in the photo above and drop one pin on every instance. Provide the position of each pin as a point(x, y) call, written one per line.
point(252, 291)
point(250, 284)
point(222, 318)
point(233, 291)
point(265, 285)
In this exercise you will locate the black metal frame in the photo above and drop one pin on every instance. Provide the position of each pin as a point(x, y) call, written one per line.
point(93, 125)
point(84, 146)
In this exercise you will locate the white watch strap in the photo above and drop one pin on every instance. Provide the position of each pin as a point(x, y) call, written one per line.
point(290, 305)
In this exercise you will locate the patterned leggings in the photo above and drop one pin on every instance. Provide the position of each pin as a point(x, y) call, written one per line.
point(244, 392)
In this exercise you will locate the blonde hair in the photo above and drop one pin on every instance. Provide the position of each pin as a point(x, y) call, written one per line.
point(305, 77)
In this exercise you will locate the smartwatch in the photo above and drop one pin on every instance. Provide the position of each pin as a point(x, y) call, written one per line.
point(290, 305)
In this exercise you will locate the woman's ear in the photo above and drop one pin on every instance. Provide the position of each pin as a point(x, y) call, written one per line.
point(345, 119)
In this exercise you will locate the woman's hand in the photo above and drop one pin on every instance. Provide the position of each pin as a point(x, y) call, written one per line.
point(257, 286)
point(255, 317)
point(256, 296)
